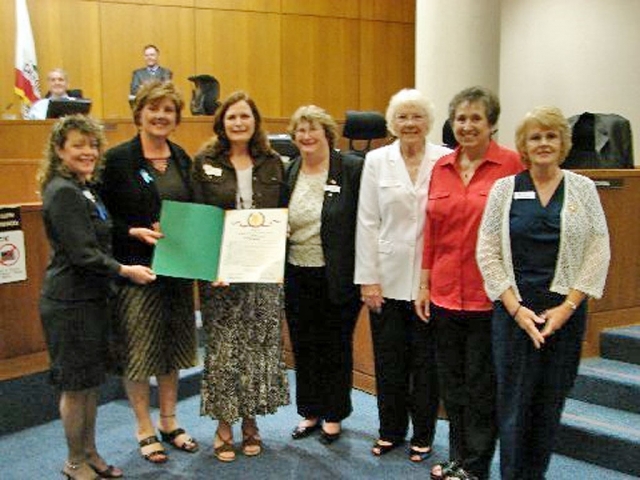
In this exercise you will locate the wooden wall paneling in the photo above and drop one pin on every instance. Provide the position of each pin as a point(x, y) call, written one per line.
point(387, 60)
point(272, 6)
point(320, 63)
point(66, 36)
point(9, 104)
point(170, 28)
point(397, 11)
point(23, 138)
point(169, 3)
point(20, 327)
point(19, 183)
point(242, 50)
point(324, 8)
point(622, 289)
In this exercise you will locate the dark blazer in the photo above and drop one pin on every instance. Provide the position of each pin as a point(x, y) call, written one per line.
point(141, 75)
point(79, 232)
point(132, 198)
point(600, 140)
point(338, 227)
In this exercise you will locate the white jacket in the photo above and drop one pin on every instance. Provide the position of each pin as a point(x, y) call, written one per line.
point(391, 215)
point(583, 256)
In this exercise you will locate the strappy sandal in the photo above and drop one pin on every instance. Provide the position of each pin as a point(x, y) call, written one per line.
point(189, 445)
point(416, 456)
point(251, 441)
point(224, 451)
point(155, 456)
point(446, 468)
point(109, 472)
point(378, 449)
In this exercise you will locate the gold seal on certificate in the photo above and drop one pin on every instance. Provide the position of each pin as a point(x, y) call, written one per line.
point(253, 246)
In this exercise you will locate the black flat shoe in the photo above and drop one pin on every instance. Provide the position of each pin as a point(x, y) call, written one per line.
point(303, 432)
point(328, 438)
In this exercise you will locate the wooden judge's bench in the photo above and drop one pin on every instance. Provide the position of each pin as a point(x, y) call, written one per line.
point(22, 347)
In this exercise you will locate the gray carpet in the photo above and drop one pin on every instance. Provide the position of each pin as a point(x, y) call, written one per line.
point(38, 452)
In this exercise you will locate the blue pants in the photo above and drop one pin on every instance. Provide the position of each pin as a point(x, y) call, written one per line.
point(532, 387)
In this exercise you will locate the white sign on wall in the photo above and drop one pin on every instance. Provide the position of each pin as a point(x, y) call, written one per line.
point(13, 265)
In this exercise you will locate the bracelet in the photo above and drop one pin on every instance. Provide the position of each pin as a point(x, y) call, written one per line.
point(571, 304)
point(517, 310)
point(424, 287)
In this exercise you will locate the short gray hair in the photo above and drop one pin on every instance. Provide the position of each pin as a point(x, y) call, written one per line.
point(409, 96)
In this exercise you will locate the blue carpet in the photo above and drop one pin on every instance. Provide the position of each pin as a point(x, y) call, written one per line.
point(38, 452)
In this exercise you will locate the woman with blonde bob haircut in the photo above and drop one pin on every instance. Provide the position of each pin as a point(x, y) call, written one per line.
point(322, 302)
point(543, 248)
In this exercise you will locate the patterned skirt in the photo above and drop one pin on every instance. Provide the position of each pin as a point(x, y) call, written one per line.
point(155, 328)
point(244, 371)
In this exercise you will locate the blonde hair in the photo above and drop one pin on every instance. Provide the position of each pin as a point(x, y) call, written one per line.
point(549, 118)
point(154, 91)
point(314, 115)
point(51, 164)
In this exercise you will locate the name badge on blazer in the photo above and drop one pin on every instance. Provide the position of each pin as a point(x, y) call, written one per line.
point(146, 176)
point(528, 195)
point(212, 171)
point(332, 188)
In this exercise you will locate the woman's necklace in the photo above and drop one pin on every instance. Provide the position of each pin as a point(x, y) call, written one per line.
point(159, 164)
point(412, 162)
point(467, 168)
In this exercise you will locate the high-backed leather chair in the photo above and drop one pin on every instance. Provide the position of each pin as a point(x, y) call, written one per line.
point(363, 126)
point(205, 95)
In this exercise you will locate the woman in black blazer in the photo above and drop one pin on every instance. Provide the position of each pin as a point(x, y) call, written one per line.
point(322, 303)
point(75, 292)
point(156, 322)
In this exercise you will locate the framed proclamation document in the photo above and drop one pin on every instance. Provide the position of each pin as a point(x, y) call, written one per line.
point(233, 246)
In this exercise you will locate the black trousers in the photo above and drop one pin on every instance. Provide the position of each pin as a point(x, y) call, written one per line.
point(467, 386)
point(532, 387)
point(406, 374)
point(321, 335)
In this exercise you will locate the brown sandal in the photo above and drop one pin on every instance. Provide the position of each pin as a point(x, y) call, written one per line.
point(251, 441)
point(224, 450)
point(154, 456)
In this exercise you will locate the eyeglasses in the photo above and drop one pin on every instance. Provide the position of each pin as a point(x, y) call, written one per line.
point(405, 118)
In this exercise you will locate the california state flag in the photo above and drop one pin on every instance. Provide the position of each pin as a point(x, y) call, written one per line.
point(27, 84)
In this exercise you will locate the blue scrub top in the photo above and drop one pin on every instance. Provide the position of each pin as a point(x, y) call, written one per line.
point(535, 241)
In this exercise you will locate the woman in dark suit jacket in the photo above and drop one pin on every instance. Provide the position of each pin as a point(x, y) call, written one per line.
point(322, 303)
point(75, 291)
point(156, 322)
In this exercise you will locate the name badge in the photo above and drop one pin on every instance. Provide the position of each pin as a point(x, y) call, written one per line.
point(212, 171)
point(89, 195)
point(530, 195)
point(332, 188)
point(146, 176)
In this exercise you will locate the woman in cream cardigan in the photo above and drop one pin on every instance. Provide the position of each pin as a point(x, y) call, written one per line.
point(543, 248)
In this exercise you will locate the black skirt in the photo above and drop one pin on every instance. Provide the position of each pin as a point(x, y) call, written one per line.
point(76, 334)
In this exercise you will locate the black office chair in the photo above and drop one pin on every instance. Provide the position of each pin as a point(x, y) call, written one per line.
point(448, 137)
point(205, 96)
point(363, 126)
point(283, 144)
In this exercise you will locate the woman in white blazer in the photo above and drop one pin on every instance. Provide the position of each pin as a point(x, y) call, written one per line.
point(391, 215)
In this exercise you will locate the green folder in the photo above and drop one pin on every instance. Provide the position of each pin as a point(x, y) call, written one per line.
point(191, 244)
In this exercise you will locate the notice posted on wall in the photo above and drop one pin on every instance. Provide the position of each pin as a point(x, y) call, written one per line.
point(13, 266)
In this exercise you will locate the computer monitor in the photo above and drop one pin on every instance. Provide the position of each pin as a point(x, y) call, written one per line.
point(60, 108)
